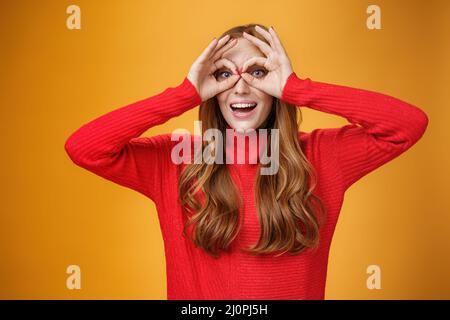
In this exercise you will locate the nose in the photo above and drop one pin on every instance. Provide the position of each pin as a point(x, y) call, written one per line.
point(241, 86)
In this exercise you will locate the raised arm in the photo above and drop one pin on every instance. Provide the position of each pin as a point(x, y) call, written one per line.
point(381, 126)
point(110, 147)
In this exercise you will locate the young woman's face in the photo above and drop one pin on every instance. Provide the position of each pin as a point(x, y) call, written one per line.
point(245, 117)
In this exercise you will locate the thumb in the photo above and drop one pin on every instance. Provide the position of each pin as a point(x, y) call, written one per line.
point(228, 83)
point(254, 82)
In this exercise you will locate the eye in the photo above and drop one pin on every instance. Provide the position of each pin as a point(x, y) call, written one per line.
point(259, 73)
point(225, 72)
point(222, 74)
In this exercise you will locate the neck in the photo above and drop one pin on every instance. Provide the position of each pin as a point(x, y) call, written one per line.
point(245, 148)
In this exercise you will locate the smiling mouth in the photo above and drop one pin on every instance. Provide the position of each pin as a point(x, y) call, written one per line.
point(243, 108)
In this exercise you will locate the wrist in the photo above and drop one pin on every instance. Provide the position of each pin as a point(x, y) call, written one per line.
point(294, 90)
point(188, 91)
point(193, 84)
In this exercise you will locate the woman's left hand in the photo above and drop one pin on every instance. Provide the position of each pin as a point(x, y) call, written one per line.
point(276, 63)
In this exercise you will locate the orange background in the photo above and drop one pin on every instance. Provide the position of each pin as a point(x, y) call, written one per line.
point(53, 80)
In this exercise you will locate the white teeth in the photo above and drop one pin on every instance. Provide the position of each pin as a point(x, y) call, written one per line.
point(243, 105)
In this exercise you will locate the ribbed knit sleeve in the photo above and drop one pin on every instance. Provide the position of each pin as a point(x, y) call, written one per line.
point(381, 126)
point(110, 147)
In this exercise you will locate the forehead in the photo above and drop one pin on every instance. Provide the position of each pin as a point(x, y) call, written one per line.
point(242, 51)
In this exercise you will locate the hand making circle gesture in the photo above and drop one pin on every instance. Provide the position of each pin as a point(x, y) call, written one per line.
point(276, 63)
point(201, 73)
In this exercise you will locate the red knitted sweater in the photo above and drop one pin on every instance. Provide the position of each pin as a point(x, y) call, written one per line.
point(381, 128)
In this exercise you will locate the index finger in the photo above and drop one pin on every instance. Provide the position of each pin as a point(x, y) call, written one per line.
point(212, 47)
point(265, 48)
point(224, 62)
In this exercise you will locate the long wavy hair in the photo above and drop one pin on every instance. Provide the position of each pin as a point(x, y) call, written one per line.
point(290, 215)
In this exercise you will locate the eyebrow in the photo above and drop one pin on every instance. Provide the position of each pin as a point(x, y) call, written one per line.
point(240, 68)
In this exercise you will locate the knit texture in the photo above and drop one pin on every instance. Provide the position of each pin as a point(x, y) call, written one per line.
point(381, 128)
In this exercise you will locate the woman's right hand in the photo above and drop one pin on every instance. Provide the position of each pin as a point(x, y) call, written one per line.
point(202, 72)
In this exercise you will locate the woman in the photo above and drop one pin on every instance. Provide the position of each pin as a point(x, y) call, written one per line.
point(229, 231)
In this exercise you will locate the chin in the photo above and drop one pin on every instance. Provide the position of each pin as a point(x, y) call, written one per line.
point(243, 126)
